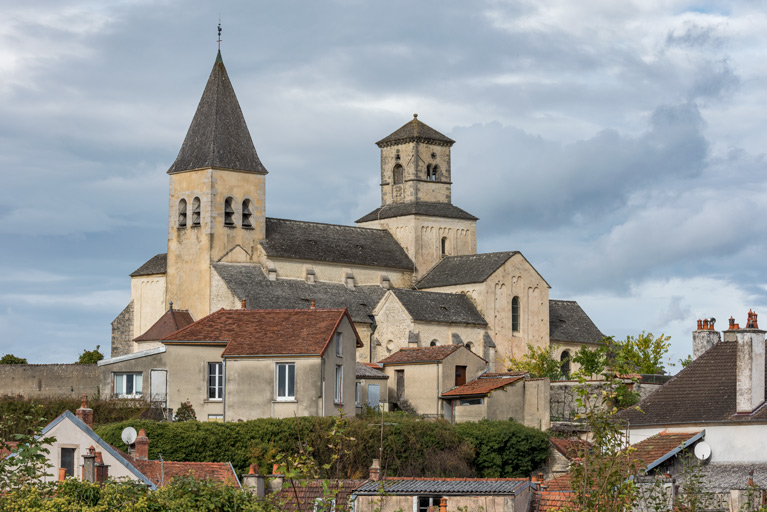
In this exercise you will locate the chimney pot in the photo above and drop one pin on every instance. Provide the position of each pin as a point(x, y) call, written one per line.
point(85, 413)
point(705, 324)
point(142, 445)
point(312, 305)
point(540, 477)
point(253, 482)
point(62, 474)
point(700, 324)
point(252, 469)
point(243, 304)
point(443, 505)
point(732, 323)
point(375, 470)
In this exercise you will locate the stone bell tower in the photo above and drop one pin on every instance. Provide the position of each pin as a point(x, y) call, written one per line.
point(416, 201)
point(217, 196)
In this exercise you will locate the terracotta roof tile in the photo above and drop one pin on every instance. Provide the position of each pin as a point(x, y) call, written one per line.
point(560, 483)
point(309, 491)
point(570, 448)
point(653, 448)
point(482, 386)
point(550, 501)
point(266, 332)
point(420, 354)
point(162, 472)
point(170, 322)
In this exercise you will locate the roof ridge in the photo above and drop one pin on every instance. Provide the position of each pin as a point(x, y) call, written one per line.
point(328, 224)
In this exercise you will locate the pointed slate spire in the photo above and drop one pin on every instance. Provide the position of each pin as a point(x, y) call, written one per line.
point(218, 136)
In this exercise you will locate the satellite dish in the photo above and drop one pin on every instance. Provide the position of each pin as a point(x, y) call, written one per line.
point(129, 435)
point(702, 450)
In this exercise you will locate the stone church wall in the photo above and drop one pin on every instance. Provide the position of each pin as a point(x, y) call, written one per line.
point(49, 380)
point(122, 332)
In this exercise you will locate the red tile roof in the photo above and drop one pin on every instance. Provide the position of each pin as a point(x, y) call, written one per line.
point(570, 448)
point(560, 483)
point(170, 322)
point(653, 448)
point(550, 501)
point(309, 491)
point(266, 331)
point(482, 386)
point(420, 354)
point(162, 472)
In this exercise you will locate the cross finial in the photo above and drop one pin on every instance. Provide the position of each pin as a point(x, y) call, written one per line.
point(219, 34)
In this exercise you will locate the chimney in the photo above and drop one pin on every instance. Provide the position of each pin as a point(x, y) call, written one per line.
point(704, 337)
point(275, 480)
point(750, 366)
point(243, 304)
point(375, 471)
point(142, 445)
point(539, 478)
point(89, 465)
point(85, 413)
point(312, 305)
point(253, 482)
point(102, 470)
point(443, 505)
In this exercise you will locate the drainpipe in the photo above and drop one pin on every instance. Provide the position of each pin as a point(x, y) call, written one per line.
point(223, 389)
point(322, 379)
point(438, 404)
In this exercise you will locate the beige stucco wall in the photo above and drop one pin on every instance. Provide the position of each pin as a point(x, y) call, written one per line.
point(383, 395)
point(508, 402)
point(518, 503)
point(191, 250)
point(537, 394)
point(148, 296)
point(515, 278)
point(188, 377)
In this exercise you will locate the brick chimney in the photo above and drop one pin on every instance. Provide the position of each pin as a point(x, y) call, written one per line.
point(142, 445)
point(375, 471)
point(89, 465)
point(102, 470)
point(750, 366)
point(253, 482)
point(704, 337)
point(85, 413)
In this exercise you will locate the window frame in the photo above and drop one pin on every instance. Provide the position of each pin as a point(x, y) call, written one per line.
point(182, 213)
point(516, 310)
point(124, 381)
point(338, 397)
point(339, 341)
point(286, 397)
point(219, 386)
point(358, 394)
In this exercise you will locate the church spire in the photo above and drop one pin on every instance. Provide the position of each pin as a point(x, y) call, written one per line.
point(218, 136)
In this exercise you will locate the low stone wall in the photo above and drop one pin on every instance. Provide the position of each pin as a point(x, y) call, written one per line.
point(563, 404)
point(49, 380)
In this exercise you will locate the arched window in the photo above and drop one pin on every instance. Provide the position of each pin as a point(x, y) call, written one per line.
point(429, 175)
point(228, 212)
point(196, 211)
point(435, 173)
point(443, 246)
point(399, 175)
point(182, 213)
point(515, 314)
point(247, 214)
point(470, 346)
point(433, 343)
point(565, 368)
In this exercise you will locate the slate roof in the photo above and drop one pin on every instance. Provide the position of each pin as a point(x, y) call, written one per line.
point(364, 371)
point(333, 243)
point(420, 354)
point(482, 386)
point(471, 268)
point(266, 332)
point(662, 446)
point(445, 486)
point(700, 393)
point(156, 265)
point(247, 281)
point(161, 473)
point(550, 501)
point(569, 323)
point(439, 307)
point(415, 130)
point(311, 490)
point(171, 321)
point(444, 210)
point(218, 136)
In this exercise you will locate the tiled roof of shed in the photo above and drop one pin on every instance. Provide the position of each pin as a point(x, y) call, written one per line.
point(312, 490)
point(218, 135)
point(170, 322)
point(415, 130)
point(445, 486)
point(266, 332)
point(333, 243)
point(655, 447)
point(471, 268)
point(439, 307)
point(481, 386)
point(247, 281)
point(156, 265)
point(551, 501)
point(420, 354)
point(162, 472)
point(560, 483)
point(704, 391)
point(364, 371)
point(569, 323)
point(427, 209)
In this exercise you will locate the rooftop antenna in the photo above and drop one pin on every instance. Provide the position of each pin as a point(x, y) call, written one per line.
point(219, 34)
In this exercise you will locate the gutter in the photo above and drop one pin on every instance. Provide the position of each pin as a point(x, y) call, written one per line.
point(676, 450)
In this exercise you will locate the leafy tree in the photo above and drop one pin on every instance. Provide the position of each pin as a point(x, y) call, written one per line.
point(684, 362)
point(538, 362)
point(185, 412)
point(29, 461)
point(592, 361)
point(643, 353)
point(91, 356)
point(11, 359)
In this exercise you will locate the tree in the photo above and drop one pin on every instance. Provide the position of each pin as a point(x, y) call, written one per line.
point(185, 412)
point(11, 359)
point(643, 353)
point(91, 356)
point(538, 362)
point(591, 361)
point(29, 462)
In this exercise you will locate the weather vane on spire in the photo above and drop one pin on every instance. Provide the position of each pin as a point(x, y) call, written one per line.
point(219, 34)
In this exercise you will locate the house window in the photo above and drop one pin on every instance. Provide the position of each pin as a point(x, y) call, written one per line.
point(460, 375)
point(127, 385)
point(339, 396)
point(286, 381)
point(358, 394)
point(425, 502)
point(515, 314)
point(470, 401)
point(182, 213)
point(216, 418)
point(215, 381)
point(247, 214)
point(68, 460)
point(196, 211)
point(228, 212)
point(339, 344)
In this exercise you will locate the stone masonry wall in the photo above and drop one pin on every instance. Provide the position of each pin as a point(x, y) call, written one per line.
point(49, 380)
point(563, 396)
point(122, 332)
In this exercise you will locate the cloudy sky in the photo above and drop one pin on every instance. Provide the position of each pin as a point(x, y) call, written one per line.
point(618, 145)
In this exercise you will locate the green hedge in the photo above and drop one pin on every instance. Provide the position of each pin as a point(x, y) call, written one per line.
point(411, 446)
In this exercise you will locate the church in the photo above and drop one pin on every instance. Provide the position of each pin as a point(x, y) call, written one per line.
point(408, 272)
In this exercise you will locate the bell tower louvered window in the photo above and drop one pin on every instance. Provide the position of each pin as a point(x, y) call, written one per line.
point(196, 211)
point(247, 214)
point(182, 213)
point(228, 212)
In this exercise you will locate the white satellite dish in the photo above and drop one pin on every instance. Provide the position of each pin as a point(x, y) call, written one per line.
point(129, 435)
point(702, 450)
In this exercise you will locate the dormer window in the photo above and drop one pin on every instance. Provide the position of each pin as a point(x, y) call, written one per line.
point(247, 214)
point(182, 213)
point(228, 212)
point(196, 211)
